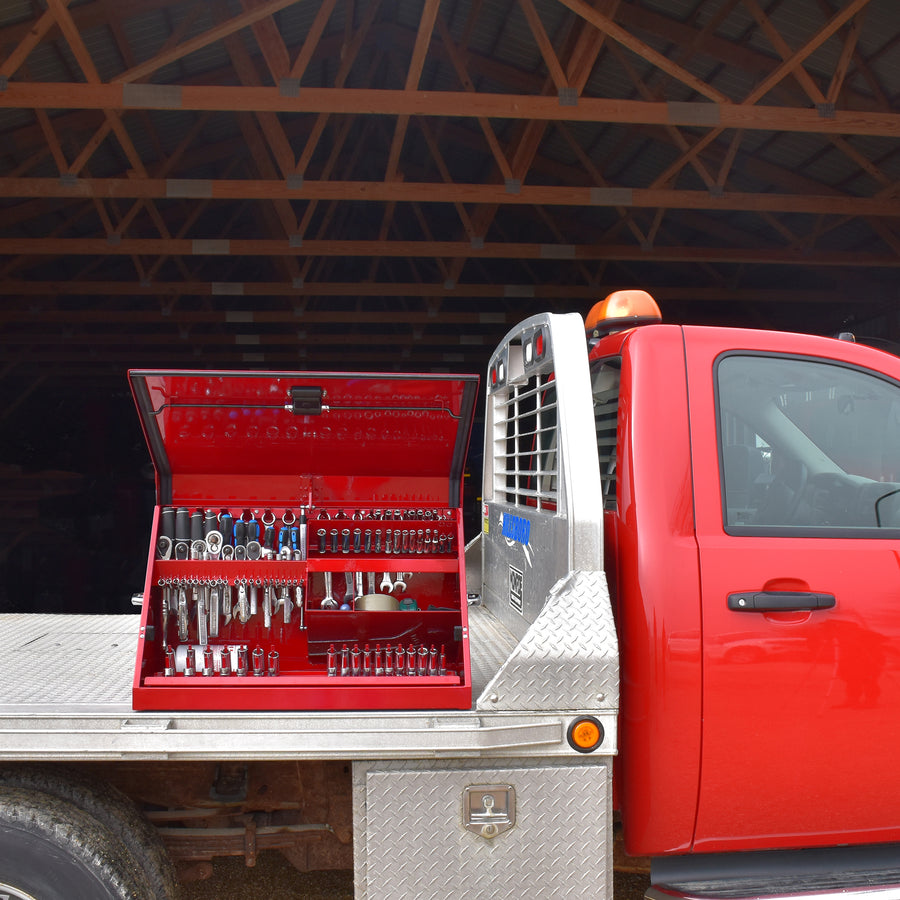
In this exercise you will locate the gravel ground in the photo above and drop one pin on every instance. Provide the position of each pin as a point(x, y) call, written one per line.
point(273, 878)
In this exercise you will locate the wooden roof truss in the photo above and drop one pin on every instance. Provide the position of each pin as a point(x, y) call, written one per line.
point(261, 182)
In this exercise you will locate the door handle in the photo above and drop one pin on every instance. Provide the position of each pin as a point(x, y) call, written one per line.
point(779, 601)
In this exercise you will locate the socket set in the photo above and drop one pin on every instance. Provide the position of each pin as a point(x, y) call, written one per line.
point(307, 548)
point(388, 532)
point(211, 534)
point(389, 661)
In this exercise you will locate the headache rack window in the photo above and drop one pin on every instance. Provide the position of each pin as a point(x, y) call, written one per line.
point(605, 377)
point(526, 460)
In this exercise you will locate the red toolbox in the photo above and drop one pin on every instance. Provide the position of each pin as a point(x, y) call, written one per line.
point(307, 546)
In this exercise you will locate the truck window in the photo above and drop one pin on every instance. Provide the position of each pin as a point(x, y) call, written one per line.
point(530, 460)
point(807, 445)
point(605, 377)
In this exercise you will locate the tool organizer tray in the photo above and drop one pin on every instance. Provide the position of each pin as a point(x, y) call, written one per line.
point(307, 546)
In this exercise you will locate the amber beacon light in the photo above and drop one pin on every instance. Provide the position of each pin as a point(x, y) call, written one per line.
point(621, 310)
point(585, 734)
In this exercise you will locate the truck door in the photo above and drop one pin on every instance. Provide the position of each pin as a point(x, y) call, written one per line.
point(796, 457)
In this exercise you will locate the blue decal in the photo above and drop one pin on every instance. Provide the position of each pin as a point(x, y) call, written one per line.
point(516, 528)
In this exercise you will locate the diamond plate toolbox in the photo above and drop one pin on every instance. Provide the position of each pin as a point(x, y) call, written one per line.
point(411, 840)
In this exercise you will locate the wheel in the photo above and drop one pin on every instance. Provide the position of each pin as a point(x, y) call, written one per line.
point(112, 809)
point(51, 850)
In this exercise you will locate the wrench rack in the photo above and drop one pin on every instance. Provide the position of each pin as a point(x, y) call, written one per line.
point(253, 601)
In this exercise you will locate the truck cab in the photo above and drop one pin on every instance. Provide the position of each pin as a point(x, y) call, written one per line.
point(751, 482)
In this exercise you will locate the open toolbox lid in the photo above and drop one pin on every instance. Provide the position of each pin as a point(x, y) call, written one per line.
point(319, 436)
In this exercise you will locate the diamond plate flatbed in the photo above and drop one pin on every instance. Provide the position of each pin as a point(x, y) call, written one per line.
point(65, 694)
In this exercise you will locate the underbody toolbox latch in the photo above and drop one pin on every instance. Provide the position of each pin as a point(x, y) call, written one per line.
point(489, 809)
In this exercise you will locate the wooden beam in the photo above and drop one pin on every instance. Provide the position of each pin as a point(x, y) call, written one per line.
point(28, 41)
point(114, 117)
point(539, 33)
point(768, 83)
point(106, 126)
point(343, 132)
point(621, 36)
point(675, 135)
point(437, 156)
point(837, 21)
point(248, 17)
point(89, 148)
point(462, 74)
point(92, 14)
point(364, 101)
point(848, 51)
point(348, 59)
point(728, 161)
point(163, 169)
point(414, 73)
point(436, 192)
point(83, 58)
point(56, 150)
point(140, 355)
point(488, 297)
point(815, 94)
point(313, 36)
point(739, 54)
point(449, 249)
point(247, 339)
point(277, 140)
point(29, 162)
point(592, 170)
point(129, 294)
point(524, 147)
point(270, 43)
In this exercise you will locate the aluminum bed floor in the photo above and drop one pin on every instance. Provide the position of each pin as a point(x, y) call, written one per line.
point(65, 694)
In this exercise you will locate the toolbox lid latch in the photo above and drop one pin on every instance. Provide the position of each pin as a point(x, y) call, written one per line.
point(306, 401)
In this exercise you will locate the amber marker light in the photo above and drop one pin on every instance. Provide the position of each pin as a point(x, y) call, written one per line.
point(585, 734)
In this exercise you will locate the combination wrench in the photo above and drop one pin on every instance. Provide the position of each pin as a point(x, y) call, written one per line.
point(328, 601)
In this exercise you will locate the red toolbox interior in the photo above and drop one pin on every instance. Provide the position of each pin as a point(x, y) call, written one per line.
point(307, 547)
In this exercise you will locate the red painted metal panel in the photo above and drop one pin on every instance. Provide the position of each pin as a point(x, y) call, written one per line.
point(380, 438)
point(799, 708)
point(652, 557)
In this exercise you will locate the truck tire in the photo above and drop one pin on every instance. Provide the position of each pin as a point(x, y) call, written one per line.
point(51, 850)
point(113, 810)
